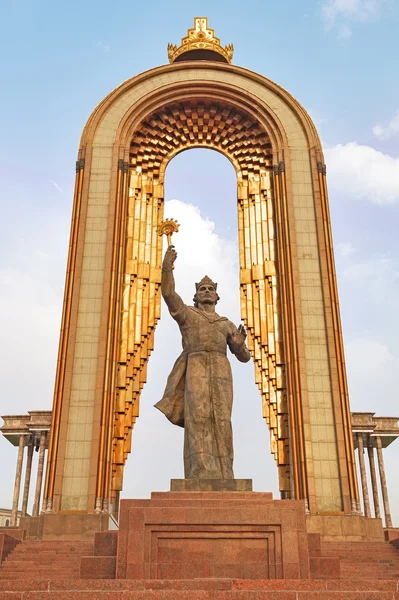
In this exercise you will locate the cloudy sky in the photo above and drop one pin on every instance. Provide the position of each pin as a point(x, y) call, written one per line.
point(339, 58)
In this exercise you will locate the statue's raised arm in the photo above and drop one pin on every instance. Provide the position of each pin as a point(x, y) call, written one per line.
point(173, 301)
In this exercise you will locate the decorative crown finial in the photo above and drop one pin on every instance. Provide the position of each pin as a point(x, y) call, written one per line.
point(206, 281)
point(200, 38)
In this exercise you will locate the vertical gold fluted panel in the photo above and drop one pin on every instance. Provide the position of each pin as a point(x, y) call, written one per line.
point(140, 311)
point(260, 309)
point(156, 141)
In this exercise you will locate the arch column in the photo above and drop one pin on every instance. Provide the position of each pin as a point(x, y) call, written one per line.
point(28, 470)
point(384, 488)
point(39, 478)
point(17, 484)
point(363, 475)
point(376, 502)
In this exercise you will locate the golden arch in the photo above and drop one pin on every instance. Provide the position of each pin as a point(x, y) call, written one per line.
point(288, 289)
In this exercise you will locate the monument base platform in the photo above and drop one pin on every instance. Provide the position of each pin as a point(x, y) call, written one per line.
point(197, 545)
point(186, 535)
point(211, 485)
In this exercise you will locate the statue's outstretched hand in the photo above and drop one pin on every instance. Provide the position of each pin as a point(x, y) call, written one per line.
point(239, 336)
point(169, 258)
point(242, 330)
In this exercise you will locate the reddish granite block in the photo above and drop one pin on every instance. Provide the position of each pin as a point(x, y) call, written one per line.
point(211, 485)
point(199, 569)
point(362, 585)
point(302, 595)
point(135, 546)
point(391, 534)
point(23, 584)
point(86, 595)
point(188, 584)
point(245, 531)
point(97, 584)
point(255, 571)
point(7, 545)
point(14, 532)
point(235, 595)
point(253, 595)
point(177, 570)
point(395, 543)
point(135, 571)
point(198, 515)
point(278, 584)
point(322, 567)
point(291, 571)
point(264, 595)
point(314, 544)
point(98, 567)
point(106, 543)
point(12, 595)
point(290, 548)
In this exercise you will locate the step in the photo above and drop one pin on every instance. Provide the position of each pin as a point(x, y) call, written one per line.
point(208, 589)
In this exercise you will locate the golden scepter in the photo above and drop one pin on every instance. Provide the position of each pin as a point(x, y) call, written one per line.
point(168, 228)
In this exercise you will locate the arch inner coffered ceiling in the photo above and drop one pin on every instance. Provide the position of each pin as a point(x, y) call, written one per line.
point(200, 123)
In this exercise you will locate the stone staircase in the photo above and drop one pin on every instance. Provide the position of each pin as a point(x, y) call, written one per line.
point(37, 570)
point(199, 589)
point(364, 560)
point(45, 560)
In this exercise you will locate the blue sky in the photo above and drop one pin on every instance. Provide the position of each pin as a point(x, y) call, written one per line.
point(339, 58)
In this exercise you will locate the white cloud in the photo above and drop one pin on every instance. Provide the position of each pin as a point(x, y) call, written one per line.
point(345, 249)
point(363, 172)
point(336, 11)
point(344, 32)
point(389, 131)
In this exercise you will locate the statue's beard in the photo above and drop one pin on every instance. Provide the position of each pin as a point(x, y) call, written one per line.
point(207, 300)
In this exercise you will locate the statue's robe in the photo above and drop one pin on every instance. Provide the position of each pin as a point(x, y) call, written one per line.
point(199, 392)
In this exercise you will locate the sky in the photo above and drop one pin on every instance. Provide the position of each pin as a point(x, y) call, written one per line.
point(339, 58)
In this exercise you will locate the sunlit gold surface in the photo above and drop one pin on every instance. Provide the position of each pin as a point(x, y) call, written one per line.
point(260, 309)
point(200, 37)
point(140, 304)
point(163, 134)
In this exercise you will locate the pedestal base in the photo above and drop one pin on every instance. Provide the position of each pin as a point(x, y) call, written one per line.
point(190, 535)
point(211, 485)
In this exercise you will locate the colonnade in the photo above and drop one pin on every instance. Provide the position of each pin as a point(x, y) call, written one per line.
point(363, 441)
point(31, 432)
point(29, 441)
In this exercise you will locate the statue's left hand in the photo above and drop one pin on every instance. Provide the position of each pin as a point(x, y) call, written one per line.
point(242, 330)
point(239, 336)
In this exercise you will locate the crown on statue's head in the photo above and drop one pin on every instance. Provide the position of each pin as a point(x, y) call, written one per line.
point(206, 281)
point(201, 37)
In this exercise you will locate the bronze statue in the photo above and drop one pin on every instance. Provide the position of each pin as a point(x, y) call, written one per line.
point(199, 390)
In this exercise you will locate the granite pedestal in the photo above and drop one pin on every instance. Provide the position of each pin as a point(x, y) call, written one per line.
point(196, 534)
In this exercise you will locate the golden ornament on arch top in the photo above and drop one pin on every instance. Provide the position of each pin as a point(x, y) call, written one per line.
point(200, 44)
